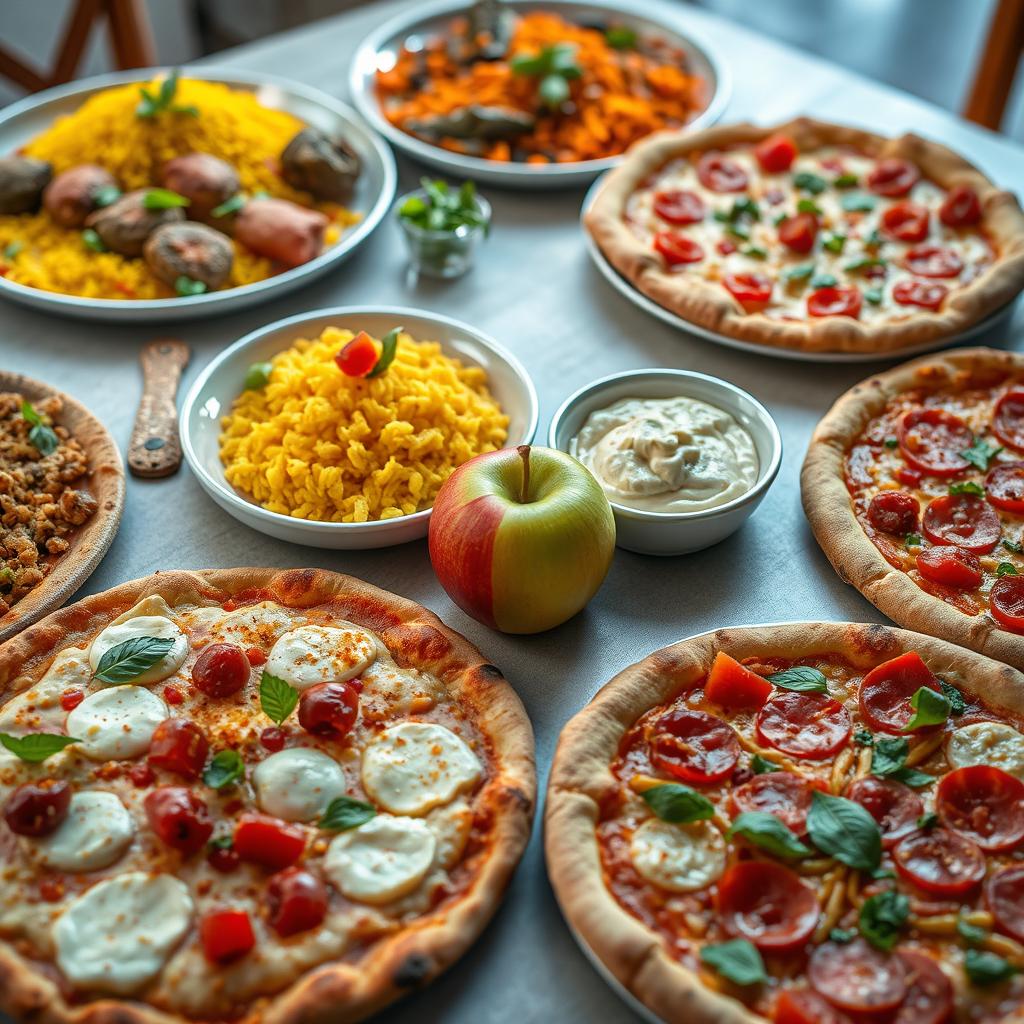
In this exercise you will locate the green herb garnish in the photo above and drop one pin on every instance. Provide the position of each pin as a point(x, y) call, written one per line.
point(619, 37)
point(930, 708)
point(769, 833)
point(442, 208)
point(40, 435)
point(553, 67)
point(889, 760)
point(809, 206)
point(881, 918)
point(163, 199)
point(864, 738)
point(1015, 546)
point(277, 698)
point(801, 272)
point(957, 704)
point(755, 252)
point(967, 487)
point(257, 376)
point(225, 769)
point(162, 100)
point(229, 206)
point(823, 281)
point(927, 821)
point(842, 935)
point(388, 348)
point(36, 747)
point(678, 804)
point(106, 195)
point(984, 968)
point(845, 181)
point(972, 934)
point(1006, 569)
point(864, 263)
point(92, 240)
point(844, 830)
point(835, 243)
point(12, 249)
point(186, 286)
point(808, 182)
point(801, 678)
point(128, 660)
point(980, 453)
point(761, 765)
point(912, 540)
point(874, 296)
point(737, 960)
point(857, 202)
point(344, 813)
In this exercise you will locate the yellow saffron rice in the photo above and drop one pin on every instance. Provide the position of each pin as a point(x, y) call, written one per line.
point(317, 444)
point(231, 124)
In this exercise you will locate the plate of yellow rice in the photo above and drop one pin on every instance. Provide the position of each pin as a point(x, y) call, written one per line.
point(289, 444)
point(244, 120)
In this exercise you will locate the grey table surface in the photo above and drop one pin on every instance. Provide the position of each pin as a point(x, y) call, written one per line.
point(534, 290)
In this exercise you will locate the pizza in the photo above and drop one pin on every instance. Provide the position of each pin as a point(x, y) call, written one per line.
point(809, 823)
point(914, 486)
point(248, 795)
point(811, 235)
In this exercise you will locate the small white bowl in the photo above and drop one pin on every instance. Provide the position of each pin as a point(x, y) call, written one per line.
point(221, 382)
point(677, 533)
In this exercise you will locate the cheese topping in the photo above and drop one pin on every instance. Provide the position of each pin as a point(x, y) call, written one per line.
point(38, 709)
point(143, 625)
point(297, 784)
point(681, 858)
point(415, 766)
point(451, 826)
point(95, 834)
point(667, 454)
point(118, 935)
point(991, 743)
point(117, 722)
point(321, 654)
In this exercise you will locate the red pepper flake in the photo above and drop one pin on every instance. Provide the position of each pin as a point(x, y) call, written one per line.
point(173, 695)
point(51, 889)
point(256, 657)
point(141, 775)
point(273, 738)
point(70, 699)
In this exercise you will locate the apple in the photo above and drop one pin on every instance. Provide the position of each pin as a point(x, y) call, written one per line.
point(521, 538)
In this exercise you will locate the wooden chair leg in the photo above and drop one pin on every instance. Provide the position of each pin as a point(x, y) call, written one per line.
point(130, 34)
point(997, 68)
point(19, 73)
point(75, 39)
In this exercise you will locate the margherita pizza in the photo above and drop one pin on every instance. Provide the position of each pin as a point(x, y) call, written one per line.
point(813, 823)
point(811, 235)
point(914, 487)
point(248, 795)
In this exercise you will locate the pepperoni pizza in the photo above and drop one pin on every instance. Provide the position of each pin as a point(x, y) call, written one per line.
point(811, 235)
point(813, 823)
point(248, 795)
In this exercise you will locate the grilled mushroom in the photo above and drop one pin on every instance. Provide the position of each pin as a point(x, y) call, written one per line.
point(475, 122)
point(22, 181)
point(315, 163)
point(125, 225)
point(280, 230)
point(71, 196)
point(203, 179)
point(189, 250)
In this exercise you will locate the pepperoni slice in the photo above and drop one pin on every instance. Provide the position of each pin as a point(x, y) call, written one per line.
point(951, 566)
point(694, 746)
point(1004, 894)
point(931, 440)
point(1008, 419)
point(895, 806)
point(721, 174)
point(926, 294)
point(811, 726)
point(894, 512)
point(933, 261)
point(804, 1006)
point(798, 232)
point(885, 692)
point(752, 291)
point(1007, 602)
point(940, 862)
point(966, 520)
point(776, 153)
point(984, 803)
point(929, 998)
point(679, 206)
point(1004, 486)
point(677, 249)
point(893, 177)
point(767, 904)
point(857, 977)
point(835, 302)
point(783, 794)
point(906, 222)
point(961, 208)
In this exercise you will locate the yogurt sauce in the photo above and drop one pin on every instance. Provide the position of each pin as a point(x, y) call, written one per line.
point(667, 454)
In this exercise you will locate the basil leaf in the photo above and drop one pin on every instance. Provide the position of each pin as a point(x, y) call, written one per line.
point(40, 436)
point(812, 183)
point(91, 240)
point(970, 933)
point(36, 747)
point(745, 207)
point(105, 195)
point(865, 263)
point(809, 206)
point(755, 252)
point(824, 281)
point(844, 830)
point(163, 199)
point(767, 832)
point(739, 231)
point(222, 842)
point(801, 272)
point(618, 37)
point(388, 348)
point(186, 286)
point(678, 804)
point(957, 704)
point(801, 678)
point(344, 813)
point(128, 660)
point(225, 769)
point(864, 738)
point(930, 708)
point(835, 243)
point(874, 240)
point(1014, 546)
point(912, 540)
point(277, 698)
point(1002, 569)
point(845, 181)
point(980, 453)
point(12, 249)
point(232, 205)
point(889, 755)
point(738, 960)
point(874, 296)
point(857, 202)
point(761, 765)
point(984, 968)
point(927, 821)
point(967, 487)
point(842, 935)
point(257, 376)
point(881, 918)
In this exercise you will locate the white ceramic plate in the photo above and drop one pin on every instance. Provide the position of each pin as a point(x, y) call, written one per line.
point(991, 324)
point(381, 47)
point(374, 192)
point(220, 383)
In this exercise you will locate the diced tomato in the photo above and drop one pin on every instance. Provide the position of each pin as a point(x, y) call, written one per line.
point(329, 710)
point(679, 206)
point(733, 686)
point(173, 696)
point(223, 859)
point(677, 249)
point(895, 806)
point(961, 208)
point(179, 745)
point(804, 1006)
point(721, 174)
point(221, 670)
point(358, 357)
point(951, 566)
point(36, 809)
point(810, 726)
point(269, 842)
point(835, 302)
point(909, 477)
point(179, 818)
point(226, 935)
point(894, 512)
point(776, 153)
point(141, 775)
point(966, 520)
point(932, 440)
point(929, 998)
point(857, 977)
point(926, 294)
point(694, 746)
point(785, 795)
point(256, 657)
point(1007, 602)
point(1008, 418)
point(768, 905)
point(71, 698)
point(752, 291)
point(1004, 486)
point(893, 177)
point(933, 261)
point(273, 738)
point(296, 901)
point(940, 862)
point(798, 232)
point(885, 692)
point(906, 221)
point(984, 803)
point(1004, 894)
point(726, 247)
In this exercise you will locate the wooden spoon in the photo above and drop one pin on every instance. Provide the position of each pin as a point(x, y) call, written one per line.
point(155, 448)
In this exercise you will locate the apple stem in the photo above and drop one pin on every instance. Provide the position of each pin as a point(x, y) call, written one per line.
point(524, 454)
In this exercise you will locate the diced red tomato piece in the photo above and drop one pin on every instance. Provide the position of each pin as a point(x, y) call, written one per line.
point(857, 977)
point(843, 301)
point(721, 173)
point(221, 670)
point(141, 775)
point(966, 520)
point(725, 246)
point(226, 935)
point(273, 738)
point(810, 726)
point(776, 153)
point(785, 795)
point(951, 567)
point(329, 710)
point(1004, 895)
point(1004, 486)
point(893, 177)
point(71, 698)
point(984, 803)
point(932, 440)
point(752, 291)
point(798, 232)
point(269, 842)
point(256, 657)
point(894, 512)
point(36, 809)
point(296, 900)
point(909, 477)
point(885, 692)
point(895, 806)
point(358, 357)
point(694, 746)
point(1008, 419)
point(933, 261)
point(767, 904)
point(179, 818)
point(679, 206)
point(1007, 602)
point(677, 249)
point(804, 1006)
point(180, 746)
point(926, 294)
point(906, 221)
point(173, 696)
point(223, 859)
point(961, 208)
point(929, 998)
point(732, 685)
point(940, 862)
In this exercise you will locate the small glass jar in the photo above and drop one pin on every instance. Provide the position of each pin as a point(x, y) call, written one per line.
point(443, 253)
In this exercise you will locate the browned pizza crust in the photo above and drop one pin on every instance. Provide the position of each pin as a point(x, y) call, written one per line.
point(829, 508)
point(339, 992)
point(581, 779)
point(709, 305)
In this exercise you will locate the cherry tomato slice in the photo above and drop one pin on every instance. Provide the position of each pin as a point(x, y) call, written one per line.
point(179, 818)
point(329, 710)
point(966, 520)
point(857, 977)
point(358, 357)
point(37, 809)
point(929, 998)
point(180, 746)
point(694, 746)
point(1008, 419)
point(268, 842)
point(733, 686)
point(931, 440)
point(1004, 895)
point(721, 174)
point(776, 153)
point(893, 177)
point(221, 670)
point(1004, 486)
point(785, 795)
point(983, 803)
point(835, 302)
point(804, 1006)
point(933, 261)
point(810, 726)
point(768, 905)
point(226, 935)
point(951, 566)
point(297, 901)
point(752, 291)
point(1006, 599)
point(895, 806)
point(961, 208)
point(926, 294)
point(677, 249)
point(940, 862)
point(894, 512)
point(885, 692)
point(906, 222)
point(679, 206)
point(798, 232)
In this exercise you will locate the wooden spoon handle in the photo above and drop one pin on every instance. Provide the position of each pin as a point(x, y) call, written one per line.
point(155, 449)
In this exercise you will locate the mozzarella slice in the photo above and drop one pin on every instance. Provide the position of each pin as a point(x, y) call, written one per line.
point(118, 935)
point(143, 625)
point(117, 722)
point(681, 858)
point(381, 861)
point(415, 766)
point(38, 709)
point(95, 834)
point(257, 625)
point(297, 784)
point(451, 826)
point(991, 743)
point(309, 655)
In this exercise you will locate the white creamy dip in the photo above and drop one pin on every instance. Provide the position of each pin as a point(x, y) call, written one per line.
point(667, 454)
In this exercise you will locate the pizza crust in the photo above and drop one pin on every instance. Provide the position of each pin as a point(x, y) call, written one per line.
point(411, 957)
point(581, 779)
point(829, 509)
point(709, 305)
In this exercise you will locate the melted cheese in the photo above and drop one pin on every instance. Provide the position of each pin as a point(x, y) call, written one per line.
point(143, 625)
point(451, 826)
point(680, 858)
point(991, 743)
point(257, 625)
point(321, 654)
point(117, 722)
point(95, 834)
point(297, 784)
